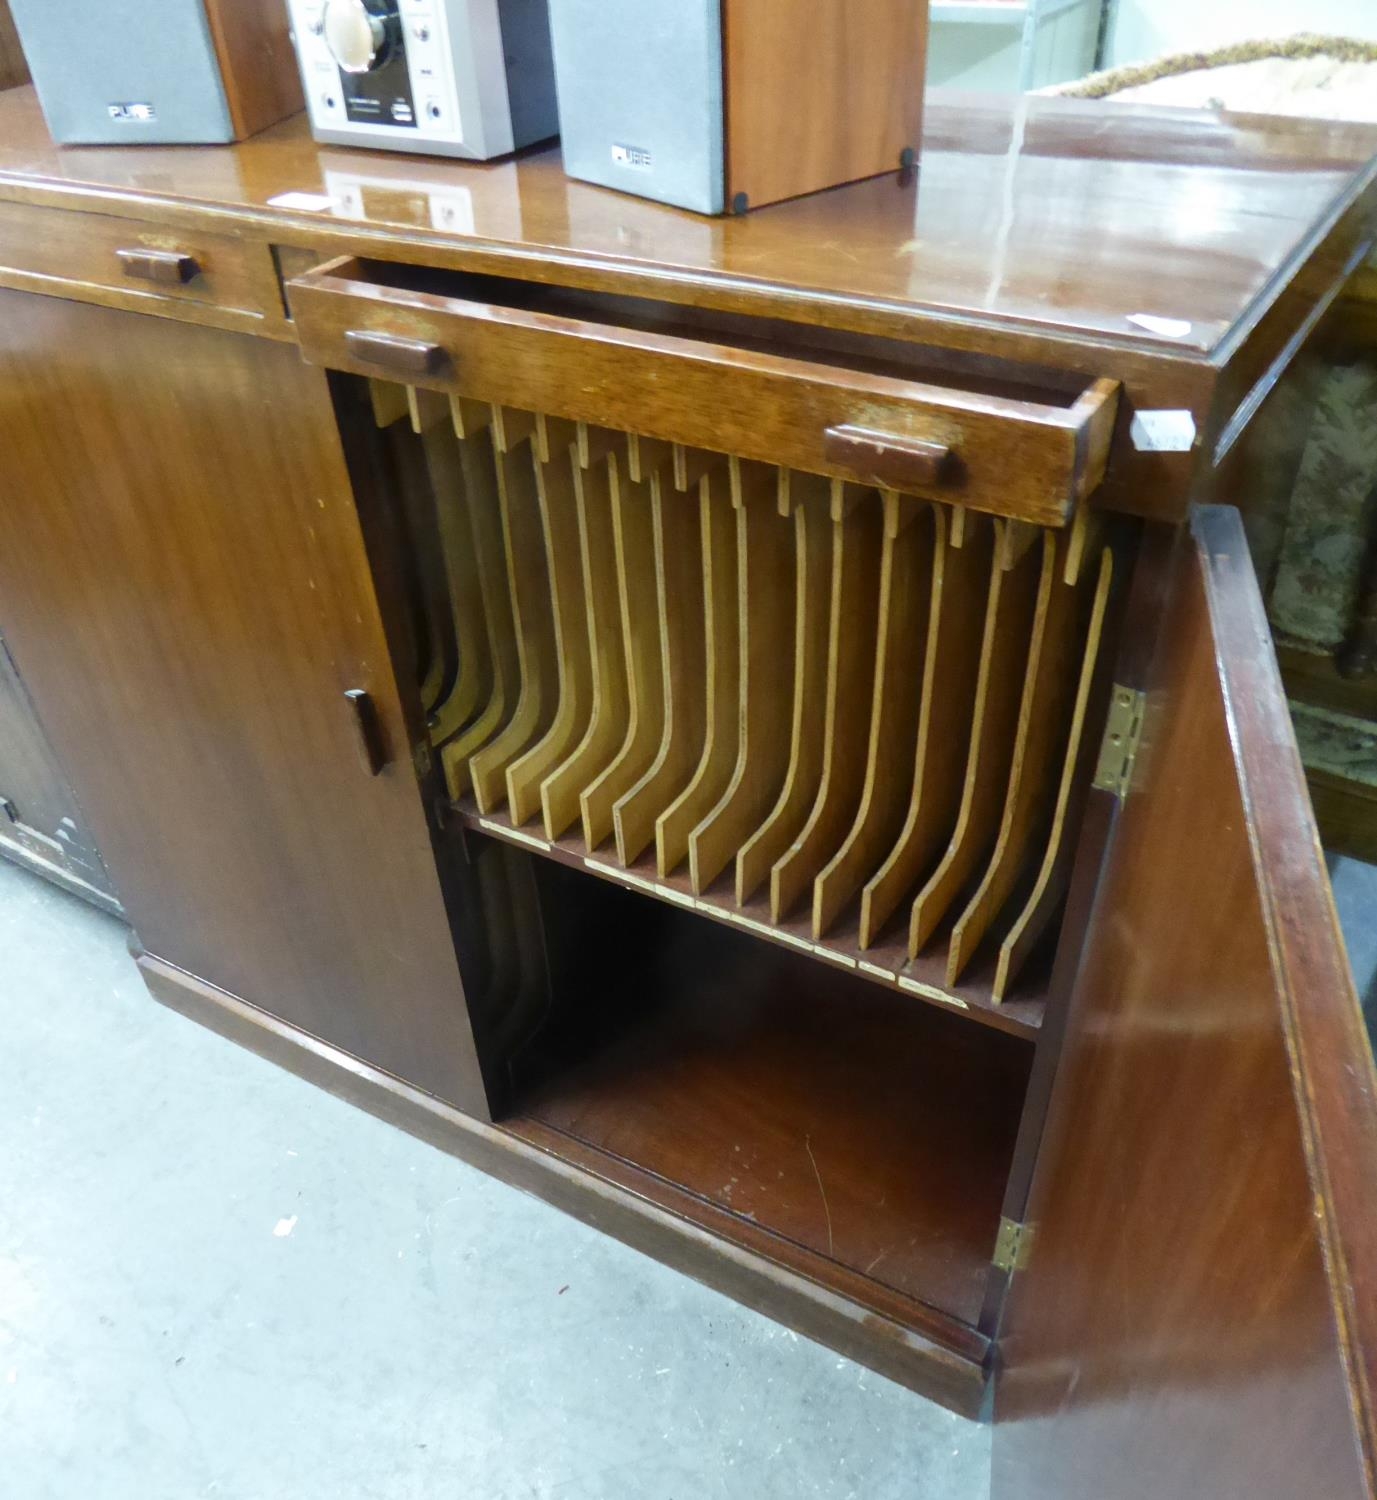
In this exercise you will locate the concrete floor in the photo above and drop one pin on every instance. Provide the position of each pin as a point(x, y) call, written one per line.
point(216, 1280)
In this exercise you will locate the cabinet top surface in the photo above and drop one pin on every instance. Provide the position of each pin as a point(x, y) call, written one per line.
point(1148, 227)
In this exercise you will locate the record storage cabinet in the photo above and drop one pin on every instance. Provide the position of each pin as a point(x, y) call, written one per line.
point(764, 685)
point(1024, 1065)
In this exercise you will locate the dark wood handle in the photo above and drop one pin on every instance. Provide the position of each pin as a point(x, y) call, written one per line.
point(393, 351)
point(372, 741)
point(167, 267)
point(887, 460)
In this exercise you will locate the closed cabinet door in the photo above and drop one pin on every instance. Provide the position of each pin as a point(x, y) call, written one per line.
point(185, 589)
point(1197, 1310)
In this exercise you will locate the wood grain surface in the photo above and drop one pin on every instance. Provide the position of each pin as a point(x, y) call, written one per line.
point(858, 63)
point(1212, 1331)
point(1016, 456)
point(13, 68)
point(923, 261)
point(253, 44)
point(185, 590)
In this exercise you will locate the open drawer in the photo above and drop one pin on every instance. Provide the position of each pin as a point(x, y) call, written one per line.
point(875, 412)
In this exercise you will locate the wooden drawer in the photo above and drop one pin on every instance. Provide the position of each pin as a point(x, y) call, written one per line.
point(137, 263)
point(647, 371)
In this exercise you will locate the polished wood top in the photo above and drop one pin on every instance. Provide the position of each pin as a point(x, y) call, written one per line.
point(1061, 219)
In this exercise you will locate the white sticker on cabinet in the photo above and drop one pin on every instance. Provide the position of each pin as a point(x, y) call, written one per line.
point(1163, 431)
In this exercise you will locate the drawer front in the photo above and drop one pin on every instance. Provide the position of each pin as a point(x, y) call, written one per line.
point(1011, 457)
point(90, 256)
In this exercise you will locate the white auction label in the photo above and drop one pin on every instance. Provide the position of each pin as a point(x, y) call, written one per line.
point(1167, 328)
point(1163, 431)
point(308, 202)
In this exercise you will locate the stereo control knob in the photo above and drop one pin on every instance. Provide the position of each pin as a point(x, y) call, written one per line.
point(361, 33)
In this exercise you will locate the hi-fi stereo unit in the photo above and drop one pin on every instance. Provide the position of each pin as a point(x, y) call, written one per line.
point(470, 78)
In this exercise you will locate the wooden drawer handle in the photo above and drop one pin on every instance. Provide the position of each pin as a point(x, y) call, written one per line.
point(166, 267)
point(372, 742)
point(892, 462)
point(392, 351)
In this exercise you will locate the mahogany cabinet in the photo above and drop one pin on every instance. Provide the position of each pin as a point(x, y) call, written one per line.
point(815, 694)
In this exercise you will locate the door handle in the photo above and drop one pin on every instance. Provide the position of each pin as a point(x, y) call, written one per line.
point(167, 267)
point(372, 741)
point(395, 352)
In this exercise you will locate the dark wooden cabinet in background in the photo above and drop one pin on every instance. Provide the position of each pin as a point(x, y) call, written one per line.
point(807, 673)
point(41, 822)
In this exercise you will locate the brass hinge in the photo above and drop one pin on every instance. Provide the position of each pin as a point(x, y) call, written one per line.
point(1119, 748)
point(1013, 1246)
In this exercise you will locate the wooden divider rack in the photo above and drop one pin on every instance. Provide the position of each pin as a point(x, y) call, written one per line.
point(850, 720)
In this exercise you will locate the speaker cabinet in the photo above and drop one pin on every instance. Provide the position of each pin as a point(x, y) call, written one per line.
point(159, 72)
point(725, 105)
point(13, 70)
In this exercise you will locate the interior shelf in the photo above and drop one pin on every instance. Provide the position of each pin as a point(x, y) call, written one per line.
point(845, 1132)
point(885, 963)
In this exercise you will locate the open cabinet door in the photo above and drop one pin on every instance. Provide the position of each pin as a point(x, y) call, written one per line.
point(1194, 1316)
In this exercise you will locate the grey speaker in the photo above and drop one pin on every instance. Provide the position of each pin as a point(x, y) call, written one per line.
point(157, 72)
point(736, 104)
point(640, 97)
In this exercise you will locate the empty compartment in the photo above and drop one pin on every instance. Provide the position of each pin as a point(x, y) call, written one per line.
point(825, 1122)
